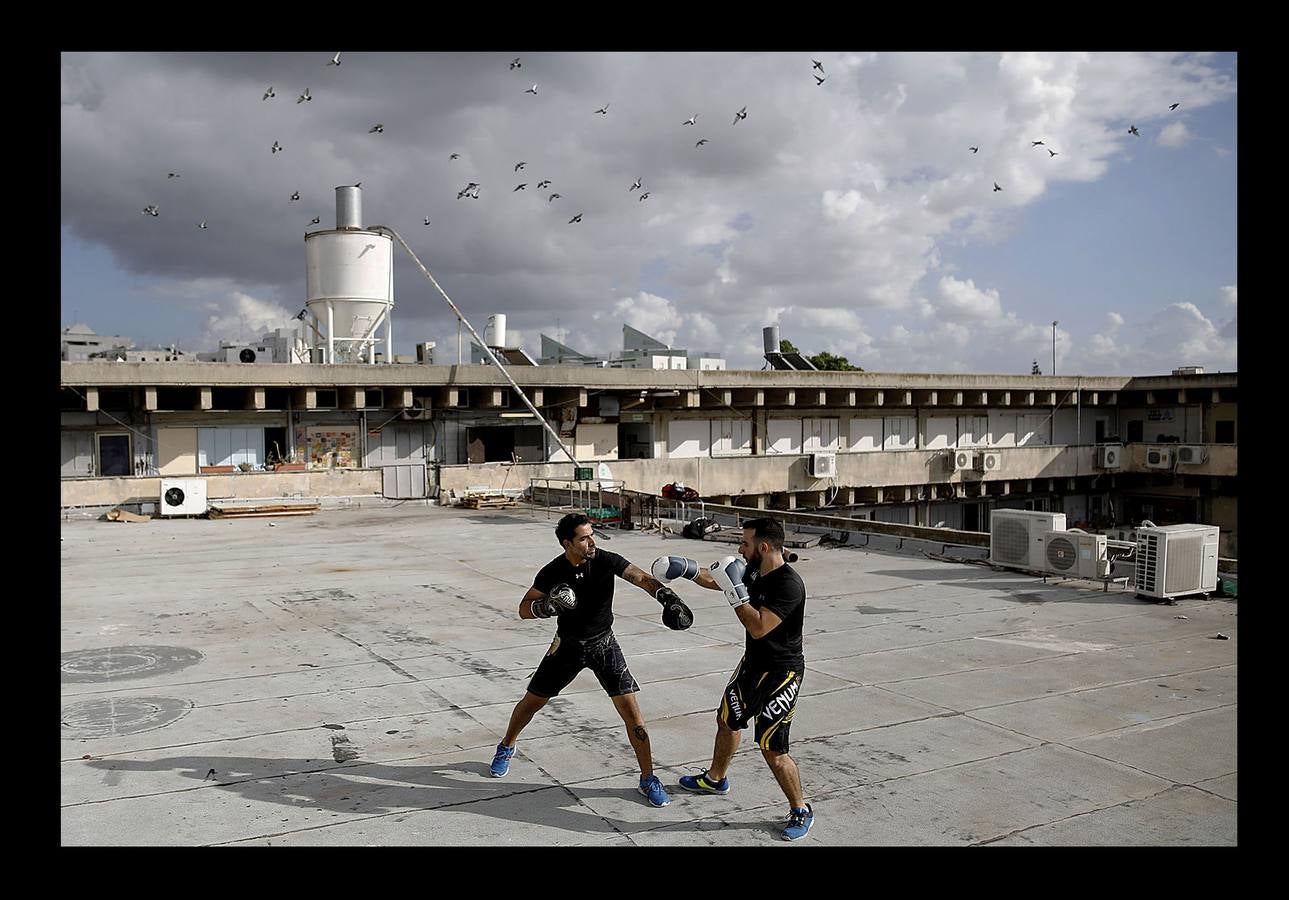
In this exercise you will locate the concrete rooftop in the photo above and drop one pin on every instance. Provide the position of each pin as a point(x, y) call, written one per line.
point(343, 679)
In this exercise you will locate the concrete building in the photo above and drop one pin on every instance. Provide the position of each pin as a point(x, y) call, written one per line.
point(79, 342)
point(881, 446)
point(639, 351)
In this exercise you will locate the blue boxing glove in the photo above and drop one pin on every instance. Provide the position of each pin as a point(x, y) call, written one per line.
point(727, 572)
point(669, 568)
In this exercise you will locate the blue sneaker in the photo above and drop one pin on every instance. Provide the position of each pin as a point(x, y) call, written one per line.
point(799, 822)
point(651, 787)
point(702, 784)
point(501, 762)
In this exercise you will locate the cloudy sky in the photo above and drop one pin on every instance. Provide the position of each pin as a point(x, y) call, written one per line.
point(851, 213)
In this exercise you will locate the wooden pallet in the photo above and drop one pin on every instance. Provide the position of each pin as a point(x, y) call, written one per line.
point(251, 512)
point(489, 503)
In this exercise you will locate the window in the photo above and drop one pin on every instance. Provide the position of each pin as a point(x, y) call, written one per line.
point(783, 436)
point(901, 433)
point(689, 437)
point(1225, 431)
point(1032, 429)
point(731, 436)
point(973, 431)
point(230, 446)
point(820, 435)
point(1135, 429)
point(114, 455)
point(941, 432)
point(865, 435)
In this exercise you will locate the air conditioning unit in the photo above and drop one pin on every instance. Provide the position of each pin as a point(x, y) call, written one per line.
point(1192, 454)
point(1016, 537)
point(1109, 456)
point(989, 461)
point(254, 353)
point(1159, 458)
point(963, 460)
point(183, 497)
point(1076, 554)
point(823, 465)
point(418, 413)
point(1176, 560)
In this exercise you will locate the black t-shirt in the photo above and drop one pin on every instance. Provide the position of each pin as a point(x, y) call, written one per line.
point(783, 592)
point(592, 583)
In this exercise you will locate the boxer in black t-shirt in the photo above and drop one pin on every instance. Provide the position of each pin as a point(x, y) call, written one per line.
point(577, 586)
point(769, 599)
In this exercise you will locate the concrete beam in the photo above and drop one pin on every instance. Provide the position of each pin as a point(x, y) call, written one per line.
point(150, 399)
point(866, 494)
point(255, 398)
point(305, 398)
point(205, 399)
point(91, 399)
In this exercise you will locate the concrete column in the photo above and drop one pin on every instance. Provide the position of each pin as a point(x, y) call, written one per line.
point(205, 398)
point(91, 399)
point(305, 398)
point(1051, 398)
point(403, 398)
point(1150, 398)
point(351, 397)
point(693, 399)
point(792, 499)
point(956, 398)
point(1217, 396)
point(1181, 396)
point(984, 398)
point(1029, 398)
point(150, 399)
point(760, 501)
point(255, 398)
point(761, 420)
point(851, 397)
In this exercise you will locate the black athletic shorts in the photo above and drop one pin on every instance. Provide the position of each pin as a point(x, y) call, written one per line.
point(567, 657)
point(769, 696)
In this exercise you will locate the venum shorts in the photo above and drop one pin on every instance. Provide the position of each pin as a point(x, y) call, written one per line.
point(770, 697)
point(566, 658)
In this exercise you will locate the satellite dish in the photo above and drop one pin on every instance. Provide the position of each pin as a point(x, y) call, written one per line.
point(247, 355)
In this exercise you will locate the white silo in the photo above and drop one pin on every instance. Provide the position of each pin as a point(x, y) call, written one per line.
point(350, 285)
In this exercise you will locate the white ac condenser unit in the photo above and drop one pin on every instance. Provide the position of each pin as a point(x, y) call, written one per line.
point(1176, 560)
point(963, 460)
point(1016, 537)
point(1076, 554)
point(1109, 456)
point(1159, 458)
point(1191, 454)
point(989, 461)
point(183, 497)
point(823, 465)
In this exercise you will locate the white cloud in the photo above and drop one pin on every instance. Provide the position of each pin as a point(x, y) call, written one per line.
point(963, 301)
point(1228, 295)
point(241, 317)
point(1115, 320)
point(1174, 136)
point(1177, 335)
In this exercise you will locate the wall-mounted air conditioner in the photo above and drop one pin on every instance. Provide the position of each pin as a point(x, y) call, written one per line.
point(823, 465)
point(1076, 554)
point(989, 461)
point(1192, 454)
point(1109, 456)
point(1159, 458)
point(963, 460)
point(183, 497)
point(1176, 560)
point(419, 412)
point(253, 353)
point(1016, 537)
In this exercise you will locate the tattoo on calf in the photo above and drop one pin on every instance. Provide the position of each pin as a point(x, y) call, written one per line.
point(640, 733)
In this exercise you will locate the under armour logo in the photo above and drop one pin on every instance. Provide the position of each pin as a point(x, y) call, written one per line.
point(578, 574)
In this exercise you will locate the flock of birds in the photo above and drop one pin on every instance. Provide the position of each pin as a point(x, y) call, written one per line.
point(471, 190)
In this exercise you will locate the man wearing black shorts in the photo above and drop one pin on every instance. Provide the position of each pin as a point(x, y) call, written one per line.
point(769, 599)
point(577, 586)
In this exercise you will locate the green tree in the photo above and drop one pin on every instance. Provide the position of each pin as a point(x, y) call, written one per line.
point(786, 346)
point(826, 361)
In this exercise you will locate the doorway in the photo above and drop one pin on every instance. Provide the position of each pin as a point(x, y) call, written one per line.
point(114, 454)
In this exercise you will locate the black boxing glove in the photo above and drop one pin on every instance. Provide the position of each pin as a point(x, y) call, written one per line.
point(675, 614)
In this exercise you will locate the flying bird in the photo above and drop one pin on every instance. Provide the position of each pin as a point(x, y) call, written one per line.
point(974, 149)
point(1036, 144)
point(644, 196)
point(520, 187)
point(634, 186)
point(455, 156)
point(474, 195)
point(516, 64)
point(818, 65)
point(149, 210)
point(269, 93)
point(276, 147)
point(335, 60)
point(532, 90)
point(701, 142)
point(465, 191)
point(303, 97)
point(1133, 130)
point(1051, 153)
point(172, 175)
point(1173, 105)
point(820, 80)
point(202, 225)
point(603, 110)
point(576, 218)
point(996, 187)
point(295, 196)
point(519, 165)
point(741, 114)
point(427, 220)
point(690, 120)
point(378, 128)
point(315, 220)
point(544, 183)
point(552, 197)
